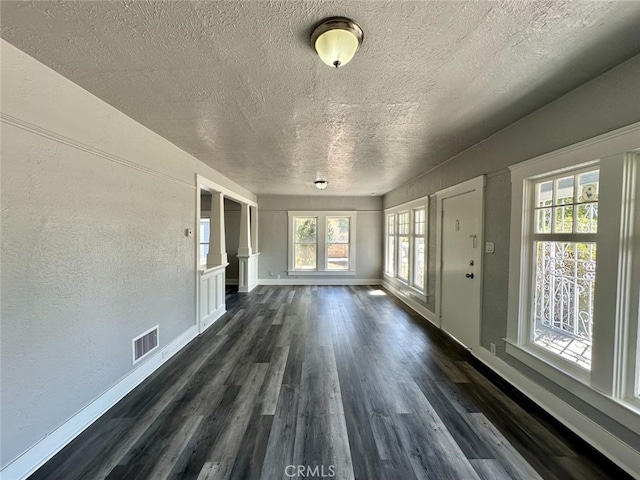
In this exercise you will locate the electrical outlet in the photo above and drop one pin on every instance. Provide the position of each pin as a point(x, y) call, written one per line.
point(492, 347)
point(278, 275)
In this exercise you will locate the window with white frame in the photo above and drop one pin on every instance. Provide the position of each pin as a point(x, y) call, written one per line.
point(305, 246)
point(403, 246)
point(338, 243)
point(205, 231)
point(574, 270)
point(405, 250)
point(419, 231)
point(565, 223)
point(322, 243)
point(390, 260)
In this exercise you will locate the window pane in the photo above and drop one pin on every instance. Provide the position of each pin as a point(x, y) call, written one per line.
point(544, 192)
point(338, 230)
point(306, 230)
point(204, 230)
point(418, 268)
point(588, 186)
point(403, 223)
point(419, 221)
point(404, 258)
point(391, 258)
point(543, 220)
point(204, 250)
point(564, 219)
point(563, 299)
point(305, 256)
point(338, 256)
point(391, 225)
point(587, 221)
point(564, 190)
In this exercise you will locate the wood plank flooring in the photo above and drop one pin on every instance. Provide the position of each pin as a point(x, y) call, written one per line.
point(313, 382)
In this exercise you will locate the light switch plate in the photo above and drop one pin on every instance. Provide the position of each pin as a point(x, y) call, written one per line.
point(489, 247)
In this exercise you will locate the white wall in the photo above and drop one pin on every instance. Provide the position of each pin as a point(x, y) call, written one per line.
point(94, 251)
point(273, 238)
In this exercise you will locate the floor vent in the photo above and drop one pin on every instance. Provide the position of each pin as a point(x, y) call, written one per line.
point(145, 343)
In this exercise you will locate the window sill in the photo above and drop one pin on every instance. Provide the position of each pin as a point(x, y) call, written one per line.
point(321, 272)
point(575, 381)
point(545, 363)
point(403, 284)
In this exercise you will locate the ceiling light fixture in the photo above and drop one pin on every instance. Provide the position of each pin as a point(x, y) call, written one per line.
point(336, 40)
point(321, 184)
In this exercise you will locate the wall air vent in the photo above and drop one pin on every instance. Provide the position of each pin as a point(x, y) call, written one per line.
point(145, 343)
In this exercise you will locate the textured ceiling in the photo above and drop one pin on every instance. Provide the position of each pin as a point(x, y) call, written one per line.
point(238, 85)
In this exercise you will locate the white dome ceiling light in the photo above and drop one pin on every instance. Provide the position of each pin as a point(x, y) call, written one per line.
point(337, 40)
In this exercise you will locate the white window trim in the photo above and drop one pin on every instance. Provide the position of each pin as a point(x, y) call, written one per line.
point(606, 387)
point(321, 239)
point(387, 236)
point(393, 277)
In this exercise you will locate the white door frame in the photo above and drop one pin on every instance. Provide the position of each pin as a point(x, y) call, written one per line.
point(476, 185)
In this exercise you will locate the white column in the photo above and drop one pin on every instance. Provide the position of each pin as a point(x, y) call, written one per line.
point(244, 247)
point(217, 245)
point(254, 229)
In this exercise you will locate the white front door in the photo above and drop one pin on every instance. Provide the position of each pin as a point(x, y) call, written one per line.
point(460, 274)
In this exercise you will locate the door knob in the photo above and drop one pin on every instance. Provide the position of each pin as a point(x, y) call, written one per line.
point(469, 275)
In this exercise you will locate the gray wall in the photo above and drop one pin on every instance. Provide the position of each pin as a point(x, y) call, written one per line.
point(604, 104)
point(273, 231)
point(94, 251)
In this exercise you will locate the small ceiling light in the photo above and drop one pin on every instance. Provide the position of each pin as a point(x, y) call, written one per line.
point(336, 40)
point(321, 184)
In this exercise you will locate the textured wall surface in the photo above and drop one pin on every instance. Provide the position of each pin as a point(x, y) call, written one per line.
point(274, 228)
point(94, 209)
point(606, 103)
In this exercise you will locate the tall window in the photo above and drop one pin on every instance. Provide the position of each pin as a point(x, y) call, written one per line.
point(403, 245)
point(574, 269)
point(391, 243)
point(306, 243)
point(565, 225)
point(205, 231)
point(337, 243)
point(419, 230)
point(405, 250)
point(322, 242)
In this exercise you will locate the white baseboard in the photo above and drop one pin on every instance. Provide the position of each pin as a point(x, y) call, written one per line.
point(243, 289)
point(320, 281)
point(29, 461)
point(210, 320)
point(608, 444)
point(415, 306)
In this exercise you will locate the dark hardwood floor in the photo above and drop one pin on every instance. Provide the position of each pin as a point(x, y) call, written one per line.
point(313, 382)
